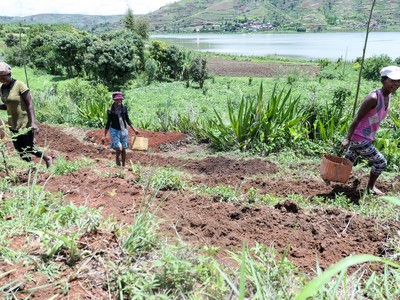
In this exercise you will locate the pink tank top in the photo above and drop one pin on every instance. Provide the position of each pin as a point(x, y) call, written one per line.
point(369, 125)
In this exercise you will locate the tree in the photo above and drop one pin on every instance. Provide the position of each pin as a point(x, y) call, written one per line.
point(114, 58)
point(56, 49)
point(69, 49)
point(140, 26)
point(40, 53)
point(129, 20)
point(170, 60)
point(11, 40)
point(198, 70)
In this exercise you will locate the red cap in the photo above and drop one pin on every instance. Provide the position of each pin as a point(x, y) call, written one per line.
point(117, 96)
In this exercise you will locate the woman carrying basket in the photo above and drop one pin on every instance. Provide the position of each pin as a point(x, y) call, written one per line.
point(360, 138)
point(117, 121)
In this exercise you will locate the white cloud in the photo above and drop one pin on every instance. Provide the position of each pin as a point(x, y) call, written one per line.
point(24, 8)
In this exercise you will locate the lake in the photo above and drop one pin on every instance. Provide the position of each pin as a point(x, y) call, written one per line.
point(330, 45)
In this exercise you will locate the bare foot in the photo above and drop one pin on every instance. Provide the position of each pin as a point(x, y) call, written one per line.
point(48, 160)
point(375, 191)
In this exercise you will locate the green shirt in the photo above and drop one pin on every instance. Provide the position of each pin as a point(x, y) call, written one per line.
point(16, 107)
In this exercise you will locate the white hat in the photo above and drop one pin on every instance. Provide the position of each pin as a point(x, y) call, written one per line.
point(5, 69)
point(393, 72)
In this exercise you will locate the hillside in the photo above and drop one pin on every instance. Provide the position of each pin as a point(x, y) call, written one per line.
point(84, 22)
point(310, 15)
point(244, 15)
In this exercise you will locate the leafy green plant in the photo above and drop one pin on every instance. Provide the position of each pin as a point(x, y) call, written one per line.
point(328, 121)
point(261, 275)
point(151, 69)
point(315, 285)
point(198, 70)
point(243, 127)
point(167, 179)
point(141, 237)
point(323, 63)
point(62, 166)
point(223, 193)
point(280, 116)
point(54, 243)
point(241, 131)
point(374, 64)
point(258, 124)
point(93, 109)
point(390, 147)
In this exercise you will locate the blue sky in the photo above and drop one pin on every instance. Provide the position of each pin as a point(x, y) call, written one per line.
point(22, 8)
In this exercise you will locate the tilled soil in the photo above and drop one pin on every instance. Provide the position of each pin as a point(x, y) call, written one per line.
point(242, 68)
point(328, 234)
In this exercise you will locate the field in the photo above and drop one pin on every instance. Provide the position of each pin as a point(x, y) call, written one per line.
point(219, 201)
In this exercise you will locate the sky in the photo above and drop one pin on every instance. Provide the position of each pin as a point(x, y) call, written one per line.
point(22, 8)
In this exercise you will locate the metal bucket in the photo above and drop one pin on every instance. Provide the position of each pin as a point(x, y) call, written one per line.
point(140, 143)
point(334, 168)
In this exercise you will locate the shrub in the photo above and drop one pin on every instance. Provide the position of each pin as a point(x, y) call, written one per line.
point(11, 40)
point(198, 70)
point(374, 64)
point(322, 63)
point(151, 69)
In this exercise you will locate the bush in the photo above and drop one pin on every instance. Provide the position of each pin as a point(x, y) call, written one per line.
point(151, 69)
point(11, 40)
point(198, 71)
point(322, 63)
point(374, 64)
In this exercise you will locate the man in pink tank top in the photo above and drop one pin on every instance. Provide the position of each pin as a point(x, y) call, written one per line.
point(360, 138)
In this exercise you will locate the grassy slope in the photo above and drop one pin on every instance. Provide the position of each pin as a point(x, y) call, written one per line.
point(309, 14)
point(349, 14)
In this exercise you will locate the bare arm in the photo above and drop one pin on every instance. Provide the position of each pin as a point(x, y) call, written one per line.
point(369, 103)
point(31, 111)
point(134, 129)
point(128, 120)
point(106, 128)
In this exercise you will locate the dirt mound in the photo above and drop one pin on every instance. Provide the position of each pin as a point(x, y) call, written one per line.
point(326, 234)
point(156, 139)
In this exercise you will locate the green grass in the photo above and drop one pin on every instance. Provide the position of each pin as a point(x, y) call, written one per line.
point(145, 100)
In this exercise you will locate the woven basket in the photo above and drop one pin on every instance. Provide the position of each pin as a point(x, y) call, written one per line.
point(140, 143)
point(334, 168)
